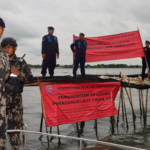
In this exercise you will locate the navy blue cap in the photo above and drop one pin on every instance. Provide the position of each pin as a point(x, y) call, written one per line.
point(2, 23)
point(81, 34)
point(147, 41)
point(50, 28)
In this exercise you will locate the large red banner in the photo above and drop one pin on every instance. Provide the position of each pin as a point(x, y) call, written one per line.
point(72, 103)
point(113, 47)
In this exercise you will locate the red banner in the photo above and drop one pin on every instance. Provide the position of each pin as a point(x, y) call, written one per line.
point(72, 103)
point(113, 47)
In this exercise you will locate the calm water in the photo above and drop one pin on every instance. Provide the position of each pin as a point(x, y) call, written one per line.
point(137, 137)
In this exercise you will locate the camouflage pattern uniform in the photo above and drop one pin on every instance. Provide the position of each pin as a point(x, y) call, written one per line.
point(4, 74)
point(14, 103)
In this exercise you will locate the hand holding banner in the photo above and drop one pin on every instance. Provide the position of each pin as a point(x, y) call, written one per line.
point(113, 47)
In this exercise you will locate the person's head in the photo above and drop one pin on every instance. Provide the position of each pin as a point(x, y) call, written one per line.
point(10, 46)
point(81, 36)
point(147, 43)
point(2, 26)
point(50, 30)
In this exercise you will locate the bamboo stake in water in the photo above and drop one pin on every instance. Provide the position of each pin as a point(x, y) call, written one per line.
point(140, 102)
point(131, 101)
point(58, 134)
point(125, 108)
point(119, 107)
point(134, 117)
point(77, 129)
point(96, 129)
point(146, 104)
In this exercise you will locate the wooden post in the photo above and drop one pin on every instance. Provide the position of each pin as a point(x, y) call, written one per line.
point(119, 107)
point(78, 129)
point(133, 114)
point(140, 102)
point(125, 108)
point(130, 100)
point(96, 128)
point(44, 115)
point(146, 104)
point(41, 124)
point(58, 134)
point(122, 104)
point(112, 123)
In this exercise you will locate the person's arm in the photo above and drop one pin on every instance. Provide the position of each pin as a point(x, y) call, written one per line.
point(57, 48)
point(43, 47)
point(72, 46)
point(7, 71)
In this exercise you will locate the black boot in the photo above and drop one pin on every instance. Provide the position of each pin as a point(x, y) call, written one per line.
point(43, 75)
point(51, 75)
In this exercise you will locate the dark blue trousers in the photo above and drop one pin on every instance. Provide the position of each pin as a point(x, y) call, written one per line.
point(50, 63)
point(79, 60)
point(144, 67)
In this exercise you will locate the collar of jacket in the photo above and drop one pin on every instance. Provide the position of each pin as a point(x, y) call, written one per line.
point(15, 58)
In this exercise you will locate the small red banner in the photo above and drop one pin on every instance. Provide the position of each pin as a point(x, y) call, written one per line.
point(113, 47)
point(72, 103)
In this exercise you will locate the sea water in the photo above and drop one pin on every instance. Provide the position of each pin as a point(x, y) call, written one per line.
point(137, 136)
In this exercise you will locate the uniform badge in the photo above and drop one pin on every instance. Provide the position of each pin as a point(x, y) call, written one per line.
point(145, 49)
point(18, 67)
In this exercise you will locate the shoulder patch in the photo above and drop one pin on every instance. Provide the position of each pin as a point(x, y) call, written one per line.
point(43, 39)
point(55, 38)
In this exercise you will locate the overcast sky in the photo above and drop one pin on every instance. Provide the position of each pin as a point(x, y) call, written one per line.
point(27, 22)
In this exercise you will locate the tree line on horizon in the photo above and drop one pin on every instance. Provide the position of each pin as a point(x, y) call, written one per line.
point(93, 66)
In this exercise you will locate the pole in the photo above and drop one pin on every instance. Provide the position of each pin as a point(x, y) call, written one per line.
point(44, 113)
point(77, 129)
point(146, 103)
point(58, 134)
point(140, 102)
point(133, 113)
point(125, 108)
point(119, 107)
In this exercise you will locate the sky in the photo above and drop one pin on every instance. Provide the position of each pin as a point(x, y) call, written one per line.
point(27, 22)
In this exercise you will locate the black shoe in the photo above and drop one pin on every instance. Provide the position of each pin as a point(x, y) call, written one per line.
point(43, 75)
point(51, 75)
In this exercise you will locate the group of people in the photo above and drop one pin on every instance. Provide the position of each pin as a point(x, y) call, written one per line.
point(50, 51)
point(13, 74)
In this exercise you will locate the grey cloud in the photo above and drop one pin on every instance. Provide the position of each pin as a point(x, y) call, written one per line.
point(27, 21)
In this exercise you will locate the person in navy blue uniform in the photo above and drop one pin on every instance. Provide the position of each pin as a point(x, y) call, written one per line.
point(147, 54)
point(78, 48)
point(50, 51)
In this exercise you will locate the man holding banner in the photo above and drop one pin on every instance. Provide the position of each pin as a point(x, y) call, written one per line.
point(78, 48)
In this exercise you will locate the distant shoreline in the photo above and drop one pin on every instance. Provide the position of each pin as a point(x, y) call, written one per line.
point(96, 68)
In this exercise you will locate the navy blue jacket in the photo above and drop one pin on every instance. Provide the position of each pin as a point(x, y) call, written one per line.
point(79, 47)
point(147, 53)
point(50, 45)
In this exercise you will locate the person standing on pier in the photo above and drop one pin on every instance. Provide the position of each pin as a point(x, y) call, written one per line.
point(19, 74)
point(4, 74)
point(147, 55)
point(78, 48)
point(50, 51)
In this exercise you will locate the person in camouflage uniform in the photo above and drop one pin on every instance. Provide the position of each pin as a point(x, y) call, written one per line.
point(20, 74)
point(4, 74)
